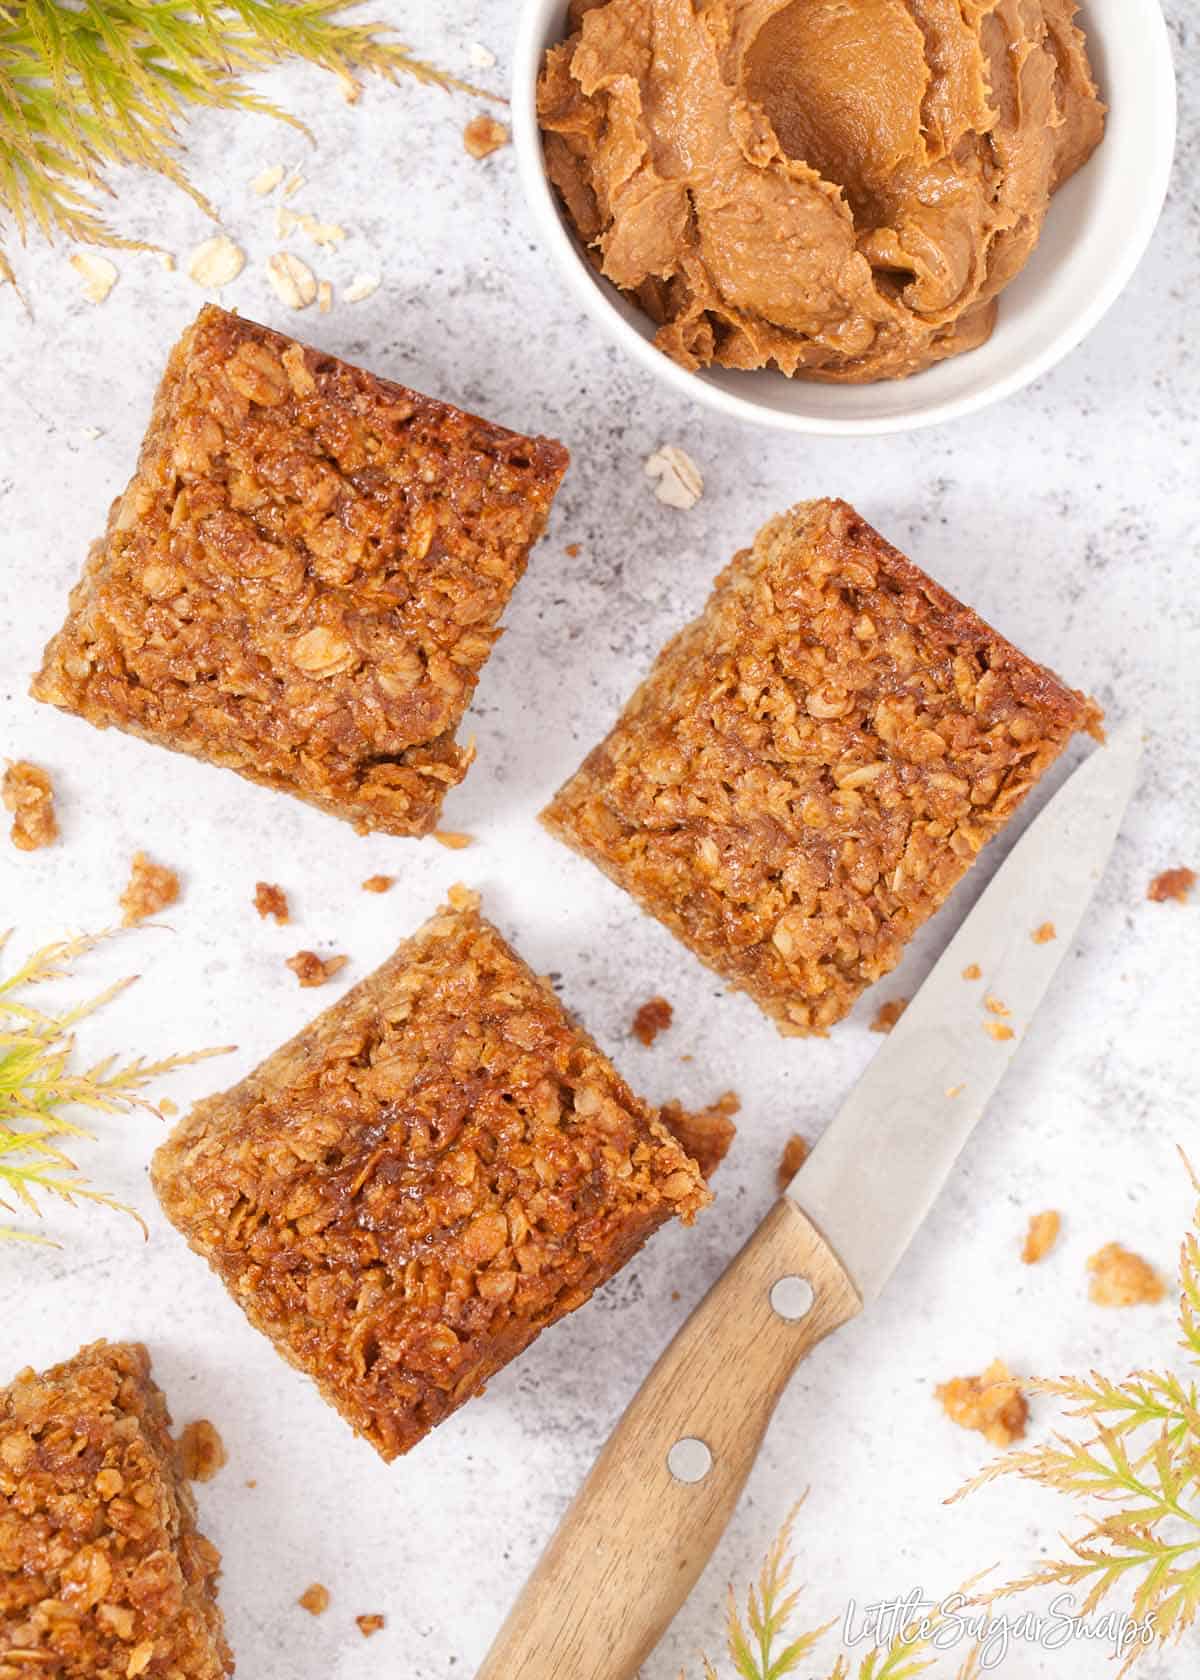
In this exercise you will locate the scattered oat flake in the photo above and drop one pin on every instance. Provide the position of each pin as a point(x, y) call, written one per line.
point(999, 1030)
point(972, 972)
point(293, 282)
point(1173, 884)
point(91, 433)
point(167, 260)
point(28, 793)
point(361, 288)
point(98, 274)
point(152, 886)
point(704, 1133)
point(379, 883)
point(267, 180)
point(314, 1599)
point(201, 1451)
point(270, 900)
point(484, 135)
point(995, 1007)
point(1123, 1279)
point(453, 842)
point(1041, 1236)
point(367, 1625)
point(652, 1017)
point(795, 1153)
point(483, 58)
point(292, 185)
point(1044, 933)
point(680, 484)
point(324, 296)
point(992, 1403)
point(216, 262)
point(312, 970)
point(325, 234)
point(888, 1014)
point(285, 221)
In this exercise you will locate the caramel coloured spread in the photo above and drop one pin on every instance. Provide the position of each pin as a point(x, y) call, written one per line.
point(838, 188)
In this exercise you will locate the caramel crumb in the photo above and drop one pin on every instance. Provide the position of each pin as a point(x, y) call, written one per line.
point(379, 883)
point(1123, 1279)
point(314, 1599)
point(28, 793)
point(705, 1133)
point(998, 1030)
point(795, 1153)
point(270, 900)
point(992, 1403)
point(1174, 884)
point(452, 842)
point(888, 1014)
point(1041, 1236)
point(995, 1007)
point(572, 551)
point(152, 886)
point(653, 1017)
point(1044, 933)
point(310, 970)
point(367, 1625)
point(484, 135)
point(201, 1451)
point(972, 972)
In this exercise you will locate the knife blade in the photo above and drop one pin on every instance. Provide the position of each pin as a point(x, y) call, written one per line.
point(882, 1161)
point(657, 1500)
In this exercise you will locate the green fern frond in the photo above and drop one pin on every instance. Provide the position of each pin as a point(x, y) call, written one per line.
point(90, 85)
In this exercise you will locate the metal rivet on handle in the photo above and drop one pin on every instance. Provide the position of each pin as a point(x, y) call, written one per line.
point(689, 1460)
point(791, 1297)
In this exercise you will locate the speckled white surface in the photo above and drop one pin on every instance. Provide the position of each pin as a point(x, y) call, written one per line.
point(1067, 516)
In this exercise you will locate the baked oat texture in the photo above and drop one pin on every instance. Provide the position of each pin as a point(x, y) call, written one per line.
point(436, 1169)
point(103, 1575)
point(813, 764)
point(304, 577)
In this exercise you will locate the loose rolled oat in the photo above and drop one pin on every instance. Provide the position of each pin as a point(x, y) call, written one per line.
point(292, 281)
point(678, 479)
point(216, 262)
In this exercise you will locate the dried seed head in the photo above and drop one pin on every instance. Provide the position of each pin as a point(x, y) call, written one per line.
point(679, 482)
point(294, 283)
point(216, 262)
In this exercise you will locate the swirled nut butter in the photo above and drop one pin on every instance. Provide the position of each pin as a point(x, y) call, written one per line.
point(838, 188)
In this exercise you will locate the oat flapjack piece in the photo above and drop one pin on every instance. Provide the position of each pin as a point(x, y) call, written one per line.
point(103, 1575)
point(436, 1169)
point(813, 764)
point(304, 578)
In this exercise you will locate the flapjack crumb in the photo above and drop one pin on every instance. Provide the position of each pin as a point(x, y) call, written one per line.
point(994, 1006)
point(1044, 933)
point(705, 1133)
point(483, 135)
point(453, 842)
point(1173, 885)
point(999, 1030)
point(1121, 1278)
point(379, 883)
point(572, 551)
point(888, 1014)
point(270, 900)
point(314, 1599)
point(152, 887)
point(652, 1017)
point(167, 1108)
point(367, 1625)
point(1041, 1236)
point(795, 1153)
point(972, 972)
point(28, 793)
point(201, 1450)
point(992, 1404)
point(312, 970)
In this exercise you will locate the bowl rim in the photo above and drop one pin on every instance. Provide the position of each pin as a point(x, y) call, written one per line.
point(529, 47)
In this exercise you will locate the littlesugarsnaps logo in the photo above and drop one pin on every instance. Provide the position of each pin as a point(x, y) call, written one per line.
point(943, 1625)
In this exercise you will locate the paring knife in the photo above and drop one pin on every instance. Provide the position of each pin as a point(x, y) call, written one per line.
point(658, 1498)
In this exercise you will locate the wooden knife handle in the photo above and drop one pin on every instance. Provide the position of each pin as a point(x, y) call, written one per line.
point(633, 1543)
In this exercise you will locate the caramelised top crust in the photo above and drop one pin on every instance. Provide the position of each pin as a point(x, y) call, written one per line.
point(102, 1573)
point(813, 764)
point(438, 1167)
point(304, 577)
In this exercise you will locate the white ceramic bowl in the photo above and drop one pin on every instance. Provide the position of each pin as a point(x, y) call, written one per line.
point(1094, 236)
